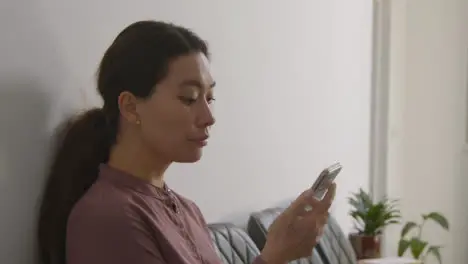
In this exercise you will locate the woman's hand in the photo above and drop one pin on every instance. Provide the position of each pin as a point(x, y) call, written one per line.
point(296, 231)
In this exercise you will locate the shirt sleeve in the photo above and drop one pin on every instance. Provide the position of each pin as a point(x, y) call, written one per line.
point(117, 237)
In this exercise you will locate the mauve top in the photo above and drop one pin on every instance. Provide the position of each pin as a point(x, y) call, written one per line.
point(125, 220)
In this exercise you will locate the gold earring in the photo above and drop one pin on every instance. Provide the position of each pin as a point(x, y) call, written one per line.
point(138, 122)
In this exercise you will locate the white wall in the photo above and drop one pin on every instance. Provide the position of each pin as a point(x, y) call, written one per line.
point(293, 97)
point(427, 118)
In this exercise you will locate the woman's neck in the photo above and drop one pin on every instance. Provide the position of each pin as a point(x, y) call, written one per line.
point(138, 162)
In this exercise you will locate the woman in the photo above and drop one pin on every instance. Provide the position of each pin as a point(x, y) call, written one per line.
point(106, 200)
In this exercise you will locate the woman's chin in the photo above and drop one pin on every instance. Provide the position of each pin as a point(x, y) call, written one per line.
point(190, 157)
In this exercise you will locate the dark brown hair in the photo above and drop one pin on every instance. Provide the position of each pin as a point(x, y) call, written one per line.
point(136, 61)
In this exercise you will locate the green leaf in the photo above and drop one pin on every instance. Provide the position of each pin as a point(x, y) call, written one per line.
point(403, 245)
point(355, 203)
point(435, 251)
point(408, 226)
point(417, 247)
point(372, 217)
point(438, 218)
point(366, 198)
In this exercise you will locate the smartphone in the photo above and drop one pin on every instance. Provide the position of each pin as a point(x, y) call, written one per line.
point(328, 175)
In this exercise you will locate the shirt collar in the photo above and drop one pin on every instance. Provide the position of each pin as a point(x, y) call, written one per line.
point(127, 180)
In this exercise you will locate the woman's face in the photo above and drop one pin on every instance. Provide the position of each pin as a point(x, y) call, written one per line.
point(174, 122)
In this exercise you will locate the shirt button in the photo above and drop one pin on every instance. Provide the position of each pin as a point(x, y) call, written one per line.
point(194, 251)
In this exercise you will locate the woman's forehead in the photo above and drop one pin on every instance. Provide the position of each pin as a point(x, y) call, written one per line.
point(190, 69)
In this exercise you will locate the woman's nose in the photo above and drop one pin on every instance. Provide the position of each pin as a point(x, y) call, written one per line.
point(206, 118)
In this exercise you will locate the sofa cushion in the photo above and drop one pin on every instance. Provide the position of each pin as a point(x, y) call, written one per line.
point(335, 244)
point(259, 222)
point(232, 244)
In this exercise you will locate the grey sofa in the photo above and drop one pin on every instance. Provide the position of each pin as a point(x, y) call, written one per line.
point(237, 246)
point(233, 244)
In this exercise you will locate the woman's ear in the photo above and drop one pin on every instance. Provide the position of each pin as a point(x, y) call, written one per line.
point(128, 107)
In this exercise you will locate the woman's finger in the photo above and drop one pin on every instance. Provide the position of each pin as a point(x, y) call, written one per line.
point(315, 219)
point(302, 203)
point(327, 201)
point(321, 227)
point(319, 235)
point(307, 205)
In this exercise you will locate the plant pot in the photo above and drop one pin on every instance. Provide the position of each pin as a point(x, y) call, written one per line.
point(366, 246)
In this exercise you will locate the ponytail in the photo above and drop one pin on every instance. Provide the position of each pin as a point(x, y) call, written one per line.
point(83, 144)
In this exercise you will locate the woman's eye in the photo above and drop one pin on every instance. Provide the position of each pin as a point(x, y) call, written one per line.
point(191, 100)
point(187, 100)
point(210, 100)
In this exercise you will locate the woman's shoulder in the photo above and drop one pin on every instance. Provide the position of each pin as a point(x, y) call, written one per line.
point(107, 224)
point(100, 204)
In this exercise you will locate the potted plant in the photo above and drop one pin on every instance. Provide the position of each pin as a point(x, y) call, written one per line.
point(370, 219)
point(421, 249)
